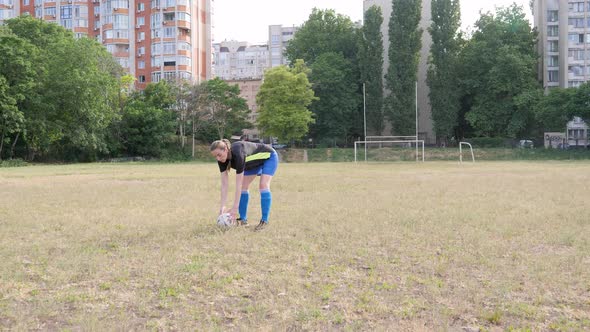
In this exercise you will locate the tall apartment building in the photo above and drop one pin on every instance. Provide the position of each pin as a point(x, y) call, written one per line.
point(425, 125)
point(235, 60)
point(151, 39)
point(563, 42)
point(278, 39)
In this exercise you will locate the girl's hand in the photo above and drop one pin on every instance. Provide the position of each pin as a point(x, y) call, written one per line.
point(233, 213)
point(222, 210)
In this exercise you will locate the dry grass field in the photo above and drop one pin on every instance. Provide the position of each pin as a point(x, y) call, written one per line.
point(403, 246)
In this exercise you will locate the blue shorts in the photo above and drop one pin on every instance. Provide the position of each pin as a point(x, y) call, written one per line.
point(268, 168)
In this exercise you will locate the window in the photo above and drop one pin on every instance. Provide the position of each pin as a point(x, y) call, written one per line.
point(156, 20)
point(553, 31)
point(553, 76)
point(140, 7)
point(574, 84)
point(81, 11)
point(170, 63)
point(120, 4)
point(184, 46)
point(141, 51)
point(576, 54)
point(553, 46)
point(552, 16)
point(181, 16)
point(141, 36)
point(169, 17)
point(81, 22)
point(576, 70)
point(50, 11)
point(576, 22)
point(141, 78)
point(141, 64)
point(26, 3)
point(66, 12)
point(553, 61)
point(124, 62)
point(96, 10)
point(38, 12)
point(275, 39)
point(120, 22)
point(576, 7)
point(275, 51)
point(68, 24)
point(140, 20)
point(169, 32)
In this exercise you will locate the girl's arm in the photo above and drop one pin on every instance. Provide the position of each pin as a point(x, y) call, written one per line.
point(234, 209)
point(224, 184)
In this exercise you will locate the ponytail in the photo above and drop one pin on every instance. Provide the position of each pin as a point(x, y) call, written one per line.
point(223, 144)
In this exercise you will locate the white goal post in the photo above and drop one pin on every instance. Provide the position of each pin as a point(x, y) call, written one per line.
point(416, 141)
point(461, 151)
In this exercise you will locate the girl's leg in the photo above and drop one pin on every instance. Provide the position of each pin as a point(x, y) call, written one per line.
point(268, 171)
point(265, 196)
point(245, 197)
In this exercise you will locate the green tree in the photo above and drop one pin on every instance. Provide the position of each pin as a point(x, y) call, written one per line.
point(17, 80)
point(324, 31)
point(498, 74)
point(405, 42)
point(76, 96)
point(225, 109)
point(283, 102)
point(442, 75)
point(146, 129)
point(336, 109)
point(324, 35)
point(371, 67)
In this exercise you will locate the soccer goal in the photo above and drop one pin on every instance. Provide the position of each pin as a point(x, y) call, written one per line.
point(409, 141)
point(461, 151)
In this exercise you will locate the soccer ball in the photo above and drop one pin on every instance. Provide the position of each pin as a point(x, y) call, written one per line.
point(224, 220)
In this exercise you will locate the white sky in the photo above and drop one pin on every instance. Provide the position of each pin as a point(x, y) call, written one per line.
point(248, 20)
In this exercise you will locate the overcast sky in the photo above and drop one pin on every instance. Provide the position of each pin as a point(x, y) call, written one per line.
point(248, 20)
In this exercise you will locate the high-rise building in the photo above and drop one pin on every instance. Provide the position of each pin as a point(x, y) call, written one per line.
point(563, 42)
point(235, 60)
point(278, 39)
point(151, 39)
point(425, 126)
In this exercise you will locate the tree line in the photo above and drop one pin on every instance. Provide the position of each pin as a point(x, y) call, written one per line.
point(485, 84)
point(63, 98)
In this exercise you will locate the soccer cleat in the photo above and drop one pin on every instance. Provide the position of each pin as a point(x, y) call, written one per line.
point(242, 222)
point(262, 225)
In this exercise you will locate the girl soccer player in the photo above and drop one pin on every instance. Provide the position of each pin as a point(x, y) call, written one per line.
point(249, 160)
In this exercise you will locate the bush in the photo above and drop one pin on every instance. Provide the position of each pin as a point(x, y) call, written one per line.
point(13, 163)
point(489, 142)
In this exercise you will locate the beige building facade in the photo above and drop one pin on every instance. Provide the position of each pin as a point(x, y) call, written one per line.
point(235, 60)
point(563, 42)
point(425, 125)
point(248, 90)
point(278, 39)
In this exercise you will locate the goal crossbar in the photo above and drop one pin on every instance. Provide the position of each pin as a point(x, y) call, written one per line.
point(417, 141)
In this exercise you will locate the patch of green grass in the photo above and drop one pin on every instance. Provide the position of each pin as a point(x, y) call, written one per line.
point(494, 317)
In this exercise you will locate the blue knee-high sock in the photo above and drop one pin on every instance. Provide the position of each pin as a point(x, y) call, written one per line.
point(265, 203)
point(243, 208)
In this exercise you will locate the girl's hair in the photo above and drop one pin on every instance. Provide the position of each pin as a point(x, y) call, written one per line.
point(223, 144)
